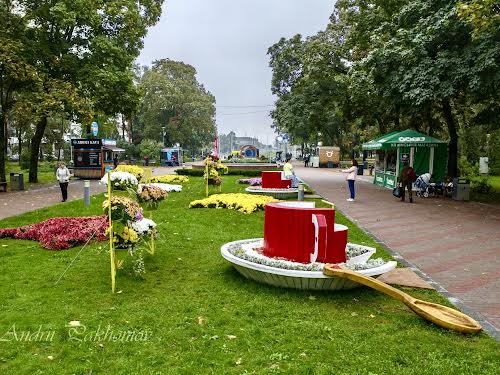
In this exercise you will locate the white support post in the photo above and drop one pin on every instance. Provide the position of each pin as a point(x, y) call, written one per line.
point(398, 152)
point(431, 160)
point(412, 154)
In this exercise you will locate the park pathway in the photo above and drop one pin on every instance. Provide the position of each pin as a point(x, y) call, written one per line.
point(15, 203)
point(455, 244)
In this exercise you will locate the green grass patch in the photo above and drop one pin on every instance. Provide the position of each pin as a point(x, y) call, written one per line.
point(46, 173)
point(199, 316)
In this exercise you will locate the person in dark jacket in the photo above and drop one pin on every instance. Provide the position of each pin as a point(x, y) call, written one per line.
point(406, 179)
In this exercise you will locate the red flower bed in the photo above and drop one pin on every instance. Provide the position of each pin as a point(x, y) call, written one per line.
point(61, 232)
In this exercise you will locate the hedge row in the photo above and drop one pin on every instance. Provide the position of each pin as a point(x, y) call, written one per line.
point(234, 172)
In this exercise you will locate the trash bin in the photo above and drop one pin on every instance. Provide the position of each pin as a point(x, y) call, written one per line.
point(361, 169)
point(461, 189)
point(330, 164)
point(16, 181)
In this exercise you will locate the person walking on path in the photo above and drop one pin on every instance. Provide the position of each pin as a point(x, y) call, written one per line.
point(406, 179)
point(289, 173)
point(351, 178)
point(115, 161)
point(62, 175)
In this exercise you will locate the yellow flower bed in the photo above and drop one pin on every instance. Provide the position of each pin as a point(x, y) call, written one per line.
point(246, 203)
point(138, 172)
point(170, 178)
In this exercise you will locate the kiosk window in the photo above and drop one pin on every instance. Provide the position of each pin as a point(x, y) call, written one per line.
point(87, 158)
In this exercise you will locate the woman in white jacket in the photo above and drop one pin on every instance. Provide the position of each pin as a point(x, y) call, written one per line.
point(351, 174)
point(63, 175)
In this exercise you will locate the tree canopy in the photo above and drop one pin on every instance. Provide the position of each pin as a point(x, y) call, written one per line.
point(175, 107)
point(389, 65)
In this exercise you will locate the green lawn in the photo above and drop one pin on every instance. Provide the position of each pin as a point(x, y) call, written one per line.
point(199, 316)
point(495, 182)
point(46, 173)
point(493, 196)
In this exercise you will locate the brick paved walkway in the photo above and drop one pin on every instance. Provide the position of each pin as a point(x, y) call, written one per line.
point(456, 244)
point(15, 203)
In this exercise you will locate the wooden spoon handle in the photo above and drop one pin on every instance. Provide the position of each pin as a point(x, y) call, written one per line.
point(330, 270)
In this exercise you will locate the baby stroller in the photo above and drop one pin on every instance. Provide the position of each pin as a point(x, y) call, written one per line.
point(423, 187)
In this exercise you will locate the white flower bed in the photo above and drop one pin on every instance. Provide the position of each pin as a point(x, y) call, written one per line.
point(165, 187)
point(356, 258)
point(120, 180)
point(298, 278)
point(143, 226)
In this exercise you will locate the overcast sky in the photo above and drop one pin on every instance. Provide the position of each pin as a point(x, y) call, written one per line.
point(226, 41)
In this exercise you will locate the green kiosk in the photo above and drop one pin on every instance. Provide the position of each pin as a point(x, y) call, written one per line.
point(424, 153)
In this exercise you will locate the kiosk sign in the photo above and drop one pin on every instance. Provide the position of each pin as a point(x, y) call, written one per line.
point(95, 128)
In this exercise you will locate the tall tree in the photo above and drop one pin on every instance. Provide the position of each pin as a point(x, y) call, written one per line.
point(176, 108)
point(16, 70)
point(86, 47)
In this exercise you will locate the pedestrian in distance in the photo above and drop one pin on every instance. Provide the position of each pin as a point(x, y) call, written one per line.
point(351, 178)
point(115, 161)
point(406, 180)
point(306, 160)
point(63, 175)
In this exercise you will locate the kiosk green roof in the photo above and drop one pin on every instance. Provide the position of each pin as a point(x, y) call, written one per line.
point(405, 138)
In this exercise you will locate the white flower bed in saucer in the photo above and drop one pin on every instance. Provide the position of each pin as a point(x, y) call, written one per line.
point(283, 273)
point(275, 193)
point(165, 187)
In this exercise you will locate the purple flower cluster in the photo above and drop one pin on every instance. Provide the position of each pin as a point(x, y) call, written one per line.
point(256, 181)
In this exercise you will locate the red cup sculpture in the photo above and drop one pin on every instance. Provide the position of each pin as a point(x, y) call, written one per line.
point(274, 180)
point(298, 232)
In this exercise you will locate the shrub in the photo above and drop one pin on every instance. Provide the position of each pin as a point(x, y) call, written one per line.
point(481, 186)
point(467, 169)
point(231, 172)
point(25, 160)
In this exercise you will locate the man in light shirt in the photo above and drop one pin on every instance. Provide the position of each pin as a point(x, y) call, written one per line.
point(289, 173)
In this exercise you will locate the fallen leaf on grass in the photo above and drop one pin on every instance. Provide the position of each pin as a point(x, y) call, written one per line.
point(200, 320)
point(214, 337)
point(372, 316)
point(50, 357)
point(238, 362)
point(354, 314)
point(312, 298)
point(231, 337)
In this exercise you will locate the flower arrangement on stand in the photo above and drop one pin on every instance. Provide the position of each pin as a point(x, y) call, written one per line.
point(129, 230)
point(213, 171)
point(151, 196)
point(120, 180)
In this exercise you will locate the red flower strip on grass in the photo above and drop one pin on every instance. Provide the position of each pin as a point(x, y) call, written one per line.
point(61, 232)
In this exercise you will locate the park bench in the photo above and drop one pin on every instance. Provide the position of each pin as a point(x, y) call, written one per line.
point(3, 186)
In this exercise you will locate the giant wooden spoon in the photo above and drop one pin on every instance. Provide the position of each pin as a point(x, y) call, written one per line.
point(438, 314)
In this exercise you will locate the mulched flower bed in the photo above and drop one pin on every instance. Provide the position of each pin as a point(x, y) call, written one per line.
point(61, 233)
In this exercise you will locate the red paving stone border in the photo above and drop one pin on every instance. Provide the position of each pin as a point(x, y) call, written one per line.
point(455, 246)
